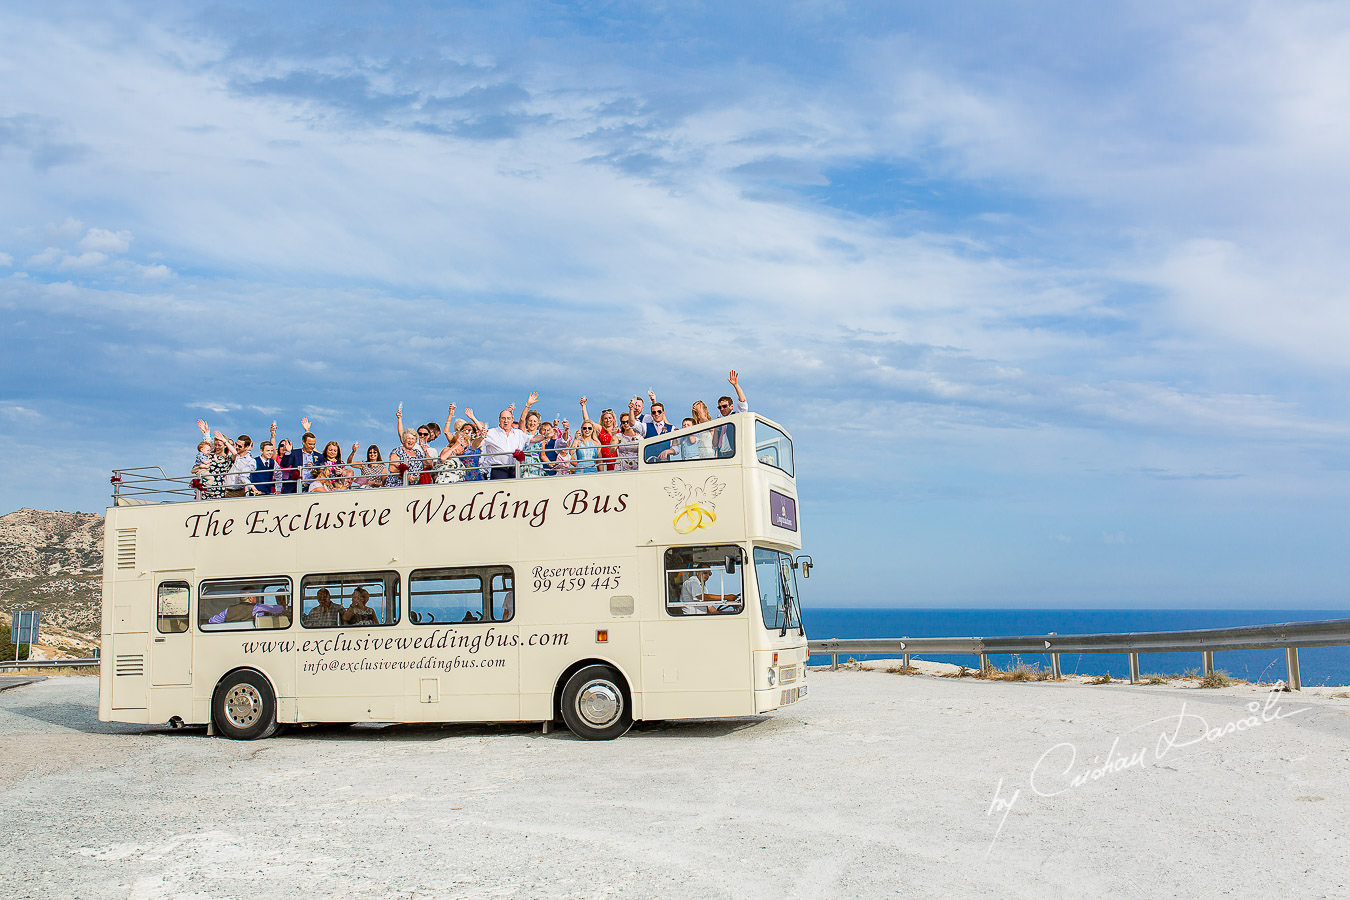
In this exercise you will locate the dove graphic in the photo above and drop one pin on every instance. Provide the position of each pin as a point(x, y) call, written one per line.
point(694, 506)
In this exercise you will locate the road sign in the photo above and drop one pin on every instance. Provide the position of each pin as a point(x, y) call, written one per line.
point(25, 628)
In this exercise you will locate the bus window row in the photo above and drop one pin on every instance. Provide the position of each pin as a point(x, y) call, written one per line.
point(439, 596)
point(699, 581)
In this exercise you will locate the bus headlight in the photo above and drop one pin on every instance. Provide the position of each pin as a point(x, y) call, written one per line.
point(773, 678)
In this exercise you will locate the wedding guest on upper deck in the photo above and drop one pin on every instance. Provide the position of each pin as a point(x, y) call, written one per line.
point(627, 442)
point(656, 423)
point(703, 440)
point(222, 458)
point(299, 462)
point(724, 404)
point(372, 472)
point(264, 468)
point(501, 443)
point(407, 455)
point(605, 436)
point(585, 448)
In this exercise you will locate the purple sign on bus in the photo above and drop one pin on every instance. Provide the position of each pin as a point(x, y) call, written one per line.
point(782, 510)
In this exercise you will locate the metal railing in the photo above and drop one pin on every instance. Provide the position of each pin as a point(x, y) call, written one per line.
point(151, 484)
point(1288, 636)
point(47, 663)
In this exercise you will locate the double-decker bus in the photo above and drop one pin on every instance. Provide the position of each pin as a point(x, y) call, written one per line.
point(666, 591)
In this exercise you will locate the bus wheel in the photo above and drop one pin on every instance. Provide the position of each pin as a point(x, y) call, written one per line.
point(244, 707)
point(594, 705)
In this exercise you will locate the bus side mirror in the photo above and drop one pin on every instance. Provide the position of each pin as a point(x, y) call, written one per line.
point(730, 564)
point(804, 563)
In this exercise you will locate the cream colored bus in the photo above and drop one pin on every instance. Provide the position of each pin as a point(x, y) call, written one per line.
point(667, 591)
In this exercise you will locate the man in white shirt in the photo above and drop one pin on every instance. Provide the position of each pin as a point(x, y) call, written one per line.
point(500, 445)
point(236, 480)
point(724, 403)
point(725, 442)
point(693, 592)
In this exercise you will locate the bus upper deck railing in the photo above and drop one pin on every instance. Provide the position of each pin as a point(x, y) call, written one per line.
point(1288, 636)
point(710, 442)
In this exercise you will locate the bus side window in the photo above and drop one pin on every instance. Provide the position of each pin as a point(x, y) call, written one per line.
point(349, 600)
point(172, 607)
point(236, 604)
point(460, 595)
point(704, 581)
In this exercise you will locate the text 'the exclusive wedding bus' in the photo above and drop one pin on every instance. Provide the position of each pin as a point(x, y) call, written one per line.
point(666, 591)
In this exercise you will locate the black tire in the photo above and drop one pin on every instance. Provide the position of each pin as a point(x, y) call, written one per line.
point(595, 704)
point(244, 707)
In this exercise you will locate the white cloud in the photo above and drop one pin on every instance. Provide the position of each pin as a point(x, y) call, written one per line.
point(45, 258)
point(105, 241)
point(6, 260)
point(155, 272)
point(90, 259)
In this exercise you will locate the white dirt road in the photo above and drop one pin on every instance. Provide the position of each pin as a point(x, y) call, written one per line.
point(878, 785)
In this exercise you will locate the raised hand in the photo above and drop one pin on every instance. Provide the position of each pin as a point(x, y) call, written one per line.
point(733, 378)
point(354, 446)
point(583, 401)
point(511, 409)
point(534, 395)
point(468, 411)
point(652, 394)
point(201, 424)
point(274, 429)
point(451, 410)
point(304, 423)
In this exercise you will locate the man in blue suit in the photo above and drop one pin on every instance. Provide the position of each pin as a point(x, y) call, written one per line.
point(301, 459)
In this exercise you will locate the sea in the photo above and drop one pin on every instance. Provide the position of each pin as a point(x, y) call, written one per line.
point(1317, 665)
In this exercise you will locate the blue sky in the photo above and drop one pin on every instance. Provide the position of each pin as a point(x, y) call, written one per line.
point(1051, 295)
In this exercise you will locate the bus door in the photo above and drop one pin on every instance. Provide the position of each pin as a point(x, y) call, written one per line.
point(696, 649)
point(171, 639)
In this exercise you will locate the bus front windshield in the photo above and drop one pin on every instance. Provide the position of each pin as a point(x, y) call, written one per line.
point(777, 584)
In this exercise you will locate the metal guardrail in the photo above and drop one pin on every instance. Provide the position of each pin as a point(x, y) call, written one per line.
point(1288, 636)
point(47, 663)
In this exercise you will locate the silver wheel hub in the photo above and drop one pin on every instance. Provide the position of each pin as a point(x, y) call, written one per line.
point(600, 703)
point(243, 705)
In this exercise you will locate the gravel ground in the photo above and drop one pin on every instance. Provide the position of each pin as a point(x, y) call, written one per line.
point(878, 785)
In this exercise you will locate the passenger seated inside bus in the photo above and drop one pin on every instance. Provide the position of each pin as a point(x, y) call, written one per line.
point(372, 599)
point(326, 615)
point(359, 613)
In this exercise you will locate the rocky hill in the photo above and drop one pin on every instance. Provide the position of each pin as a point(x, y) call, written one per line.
point(53, 562)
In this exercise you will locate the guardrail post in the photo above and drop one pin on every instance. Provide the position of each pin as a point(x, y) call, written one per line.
point(834, 661)
point(984, 663)
point(1054, 667)
point(1291, 661)
point(1134, 668)
point(904, 661)
point(1207, 662)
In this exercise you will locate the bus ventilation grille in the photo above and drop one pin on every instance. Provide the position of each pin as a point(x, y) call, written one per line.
point(621, 605)
point(126, 548)
point(129, 664)
point(788, 674)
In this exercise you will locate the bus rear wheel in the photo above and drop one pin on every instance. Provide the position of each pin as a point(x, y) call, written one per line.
point(595, 705)
point(244, 707)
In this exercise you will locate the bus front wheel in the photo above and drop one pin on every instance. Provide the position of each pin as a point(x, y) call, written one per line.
point(244, 707)
point(595, 705)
